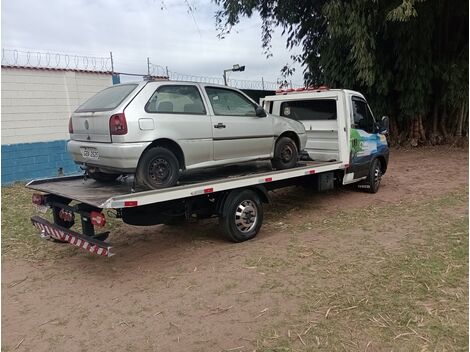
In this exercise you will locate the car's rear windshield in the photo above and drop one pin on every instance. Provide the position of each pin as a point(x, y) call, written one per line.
point(107, 99)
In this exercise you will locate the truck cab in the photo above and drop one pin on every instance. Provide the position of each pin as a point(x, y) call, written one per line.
point(340, 127)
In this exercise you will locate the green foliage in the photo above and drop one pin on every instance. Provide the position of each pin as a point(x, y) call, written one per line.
point(404, 55)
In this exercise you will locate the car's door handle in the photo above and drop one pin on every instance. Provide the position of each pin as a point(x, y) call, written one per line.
point(220, 125)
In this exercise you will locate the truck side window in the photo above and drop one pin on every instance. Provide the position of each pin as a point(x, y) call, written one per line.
point(229, 102)
point(313, 109)
point(176, 99)
point(363, 118)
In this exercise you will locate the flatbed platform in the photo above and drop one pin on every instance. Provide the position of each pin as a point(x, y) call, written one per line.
point(120, 194)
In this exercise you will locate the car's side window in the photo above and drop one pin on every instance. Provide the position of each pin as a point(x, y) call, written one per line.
point(176, 99)
point(229, 102)
point(363, 118)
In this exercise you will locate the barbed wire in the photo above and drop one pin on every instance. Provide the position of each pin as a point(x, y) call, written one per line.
point(160, 71)
point(45, 59)
point(49, 60)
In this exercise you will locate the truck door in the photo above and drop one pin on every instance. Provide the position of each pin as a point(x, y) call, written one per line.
point(365, 141)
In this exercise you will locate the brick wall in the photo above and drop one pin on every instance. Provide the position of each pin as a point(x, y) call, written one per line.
point(36, 106)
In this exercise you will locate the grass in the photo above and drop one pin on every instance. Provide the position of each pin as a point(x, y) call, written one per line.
point(20, 238)
point(392, 277)
point(411, 297)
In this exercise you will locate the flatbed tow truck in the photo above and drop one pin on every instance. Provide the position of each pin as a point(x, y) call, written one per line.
point(343, 152)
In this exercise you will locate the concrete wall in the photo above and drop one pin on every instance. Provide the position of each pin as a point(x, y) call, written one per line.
point(36, 106)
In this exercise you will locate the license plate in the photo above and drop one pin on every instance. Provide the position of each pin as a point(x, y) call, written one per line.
point(41, 208)
point(90, 153)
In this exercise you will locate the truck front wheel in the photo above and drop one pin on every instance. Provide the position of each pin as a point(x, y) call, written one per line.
point(242, 215)
point(374, 177)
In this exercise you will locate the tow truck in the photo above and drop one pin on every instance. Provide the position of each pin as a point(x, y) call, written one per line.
point(346, 144)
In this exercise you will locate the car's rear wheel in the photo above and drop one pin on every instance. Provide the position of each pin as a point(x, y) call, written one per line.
point(285, 154)
point(158, 168)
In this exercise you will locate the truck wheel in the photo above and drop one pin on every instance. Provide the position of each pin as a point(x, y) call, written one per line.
point(285, 154)
point(158, 168)
point(374, 177)
point(102, 176)
point(242, 215)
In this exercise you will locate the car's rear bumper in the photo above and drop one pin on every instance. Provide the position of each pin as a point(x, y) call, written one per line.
point(118, 157)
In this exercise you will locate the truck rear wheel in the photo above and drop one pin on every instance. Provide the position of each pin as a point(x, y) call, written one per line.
point(242, 215)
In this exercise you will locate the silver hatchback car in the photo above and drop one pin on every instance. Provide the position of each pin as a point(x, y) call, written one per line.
point(157, 129)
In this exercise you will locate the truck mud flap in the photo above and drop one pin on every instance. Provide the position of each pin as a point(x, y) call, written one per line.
point(65, 235)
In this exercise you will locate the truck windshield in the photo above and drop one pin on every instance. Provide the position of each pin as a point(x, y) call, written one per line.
point(107, 99)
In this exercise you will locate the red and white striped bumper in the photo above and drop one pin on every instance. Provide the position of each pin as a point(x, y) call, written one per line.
point(62, 234)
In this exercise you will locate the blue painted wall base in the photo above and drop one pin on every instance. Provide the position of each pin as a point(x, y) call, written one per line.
point(27, 161)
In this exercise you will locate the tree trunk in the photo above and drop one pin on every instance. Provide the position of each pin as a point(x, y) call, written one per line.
point(422, 131)
point(463, 113)
point(443, 123)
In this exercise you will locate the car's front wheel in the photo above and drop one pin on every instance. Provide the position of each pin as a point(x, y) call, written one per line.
point(285, 154)
point(158, 168)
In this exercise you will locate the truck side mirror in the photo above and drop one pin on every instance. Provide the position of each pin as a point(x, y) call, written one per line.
point(260, 111)
point(385, 124)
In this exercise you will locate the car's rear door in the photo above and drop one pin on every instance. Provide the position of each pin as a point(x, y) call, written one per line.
point(237, 132)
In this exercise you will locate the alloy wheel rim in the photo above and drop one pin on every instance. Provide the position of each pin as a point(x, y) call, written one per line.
point(246, 216)
point(377, 176)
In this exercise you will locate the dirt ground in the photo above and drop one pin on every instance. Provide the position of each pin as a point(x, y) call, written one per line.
point(343, 270)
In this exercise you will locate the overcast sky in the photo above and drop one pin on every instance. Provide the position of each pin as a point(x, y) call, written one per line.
point(166, 31)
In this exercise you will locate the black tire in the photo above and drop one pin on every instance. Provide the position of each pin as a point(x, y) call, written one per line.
point(285, 154)
point(158, 168)
point(103, 176)
point(374, 177)
point(242, 216)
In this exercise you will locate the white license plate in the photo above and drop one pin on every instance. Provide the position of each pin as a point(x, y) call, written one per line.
point(41, 208)
point(90, 153)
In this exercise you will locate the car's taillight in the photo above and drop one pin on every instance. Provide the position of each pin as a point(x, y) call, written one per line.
point(38, 199)
point(70, 125)
point(97, 218)
point(118, 124)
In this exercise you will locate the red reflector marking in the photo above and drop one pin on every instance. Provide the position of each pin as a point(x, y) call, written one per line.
point(208, 190)
point(311, 172)
point(130, 203)
point(268, 179)
point(97, 219)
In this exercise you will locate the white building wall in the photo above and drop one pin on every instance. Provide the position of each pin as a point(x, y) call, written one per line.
point(37, 103)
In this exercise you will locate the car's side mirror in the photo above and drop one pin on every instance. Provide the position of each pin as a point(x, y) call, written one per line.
point(260, 111)
point(385, 124)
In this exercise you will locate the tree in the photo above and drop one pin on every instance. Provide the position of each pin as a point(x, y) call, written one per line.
point(409, 57)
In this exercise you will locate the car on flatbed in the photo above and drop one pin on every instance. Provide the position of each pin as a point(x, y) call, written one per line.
point(345, 145)
point(157, 129)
